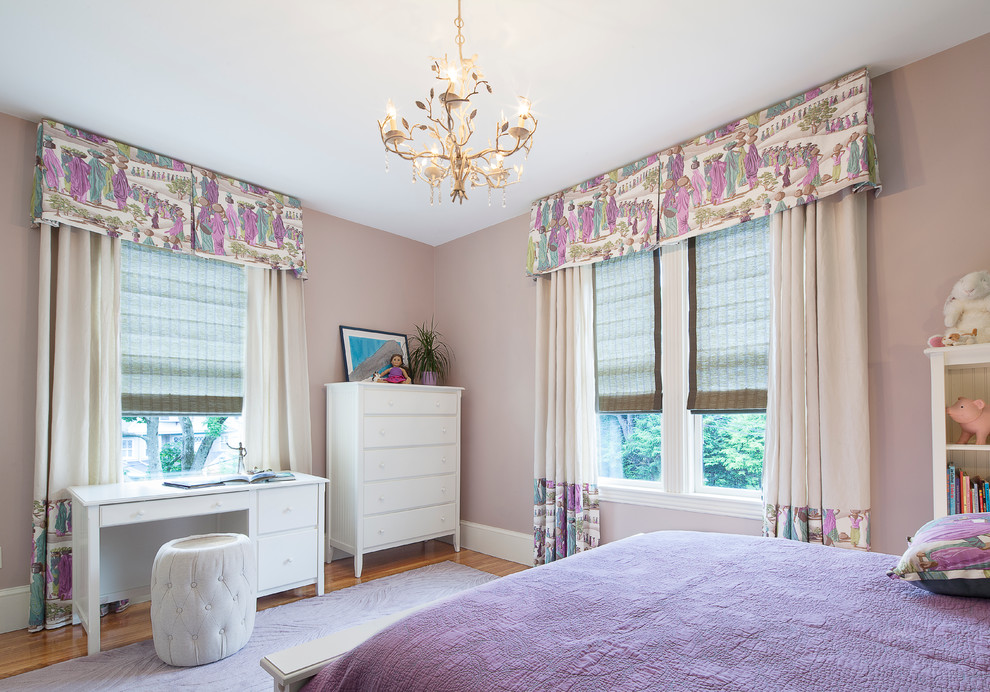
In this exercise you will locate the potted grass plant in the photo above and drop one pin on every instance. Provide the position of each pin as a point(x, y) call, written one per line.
point(429, 356)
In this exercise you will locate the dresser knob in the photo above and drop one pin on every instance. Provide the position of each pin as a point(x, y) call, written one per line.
point(443, 460)
point(381, 465)
point(381, 532)
point(443, 519)
point(288, 560)
point(391, 403)
point(444, 430)
point(381, 498)
point(443, 490)
point(286, 510)
point(217, 505)
point(140, 513)
point(437, 404)
point(382, 433)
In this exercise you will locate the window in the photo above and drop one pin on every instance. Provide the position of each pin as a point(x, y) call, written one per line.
point(694, 318)
point(182, 363)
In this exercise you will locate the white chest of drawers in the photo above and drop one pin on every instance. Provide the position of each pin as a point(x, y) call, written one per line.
point(394, 455)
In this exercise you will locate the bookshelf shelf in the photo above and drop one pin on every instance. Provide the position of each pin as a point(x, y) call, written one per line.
point(956, 371)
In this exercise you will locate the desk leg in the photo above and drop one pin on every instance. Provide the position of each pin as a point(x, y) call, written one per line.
point(93, 581)
point(320, 539)
point(86, 573)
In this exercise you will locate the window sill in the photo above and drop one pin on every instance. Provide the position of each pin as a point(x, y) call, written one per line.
point(724, 505)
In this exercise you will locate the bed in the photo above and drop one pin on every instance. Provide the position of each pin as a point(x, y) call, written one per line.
point(683, 611)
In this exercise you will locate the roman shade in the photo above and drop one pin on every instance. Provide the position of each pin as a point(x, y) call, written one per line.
point(627, 333)
point(729, 294)
point(181, 334)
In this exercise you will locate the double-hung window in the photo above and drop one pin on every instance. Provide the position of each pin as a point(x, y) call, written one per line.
point(182, 340)
point(682, 343)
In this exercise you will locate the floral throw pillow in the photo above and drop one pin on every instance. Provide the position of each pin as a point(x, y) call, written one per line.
point(949, 556)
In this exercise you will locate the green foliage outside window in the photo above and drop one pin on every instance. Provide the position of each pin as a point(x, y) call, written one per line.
point(171, 458)
point(732, 453)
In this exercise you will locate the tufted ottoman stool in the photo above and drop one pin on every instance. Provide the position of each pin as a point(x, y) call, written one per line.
point(203, 598)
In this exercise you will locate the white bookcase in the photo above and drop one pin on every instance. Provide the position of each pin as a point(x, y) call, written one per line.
point(956, 371)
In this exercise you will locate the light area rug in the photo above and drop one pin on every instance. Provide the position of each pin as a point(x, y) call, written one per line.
point(137, 667)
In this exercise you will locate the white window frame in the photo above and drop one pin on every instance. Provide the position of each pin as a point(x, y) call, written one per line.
point(680, 486)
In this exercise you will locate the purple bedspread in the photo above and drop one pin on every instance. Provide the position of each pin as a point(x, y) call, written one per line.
point(684, 611)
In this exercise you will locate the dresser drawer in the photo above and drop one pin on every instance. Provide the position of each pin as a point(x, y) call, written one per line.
point(385, 464)
point(409, 525)
point(391, 496)
point(405, 402)
point(155, 510)
point(403, 431)
point(287, 558)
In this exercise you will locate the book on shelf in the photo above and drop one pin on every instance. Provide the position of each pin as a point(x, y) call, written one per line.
point(950, 489)
point(208, 481)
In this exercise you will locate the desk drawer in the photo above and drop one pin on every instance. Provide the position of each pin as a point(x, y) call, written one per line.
point(401, 431)
point(285, 508)
point(407, 402)
point(392, 496)
point(287, 558)
point(386, 464)
point(408, 526)
point(155, 510)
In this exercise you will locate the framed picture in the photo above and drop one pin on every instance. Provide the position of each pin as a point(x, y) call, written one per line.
point(366, 351)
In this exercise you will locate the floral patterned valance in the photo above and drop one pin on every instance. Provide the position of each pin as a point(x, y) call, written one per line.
point(808, 147)
point(119, 190)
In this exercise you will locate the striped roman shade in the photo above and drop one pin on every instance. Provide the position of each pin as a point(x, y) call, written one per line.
point(627, 333)
point(181, 333)
point(729, 285)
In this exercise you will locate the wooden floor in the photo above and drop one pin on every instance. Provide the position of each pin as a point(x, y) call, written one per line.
point(23, 651)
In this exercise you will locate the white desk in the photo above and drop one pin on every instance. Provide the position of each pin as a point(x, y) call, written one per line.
point(283, 520)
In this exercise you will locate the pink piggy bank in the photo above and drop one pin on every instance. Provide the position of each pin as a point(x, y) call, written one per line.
point(973, 417)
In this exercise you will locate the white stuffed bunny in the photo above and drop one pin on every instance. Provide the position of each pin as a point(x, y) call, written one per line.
point(967, 312)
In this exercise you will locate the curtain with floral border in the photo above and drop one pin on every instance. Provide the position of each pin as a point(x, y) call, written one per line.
point(122, 191)
point(808, 147)
point(77, 416)
point(566, 517)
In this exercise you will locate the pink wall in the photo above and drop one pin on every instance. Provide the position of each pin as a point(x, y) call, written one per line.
point(18, 347)
point(486, 307)
point(930, 118)
point(359, 277)
point(933, 141)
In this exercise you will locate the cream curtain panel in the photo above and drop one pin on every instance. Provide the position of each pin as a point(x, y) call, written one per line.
point(276, 387)
point(816, 485)
point(78, 404)
point(566, 517)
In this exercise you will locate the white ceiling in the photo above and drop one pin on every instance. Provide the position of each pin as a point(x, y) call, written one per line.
point(287, 94)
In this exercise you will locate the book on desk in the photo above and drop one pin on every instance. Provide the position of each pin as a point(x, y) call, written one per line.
point(209, 481)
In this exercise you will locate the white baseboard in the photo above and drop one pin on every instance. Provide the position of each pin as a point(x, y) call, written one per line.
point(14, 605)
point(508, 545)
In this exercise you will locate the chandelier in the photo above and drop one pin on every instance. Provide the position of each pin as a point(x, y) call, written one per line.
point(450, 122)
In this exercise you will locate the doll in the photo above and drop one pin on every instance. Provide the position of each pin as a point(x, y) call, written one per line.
point(395, 372)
